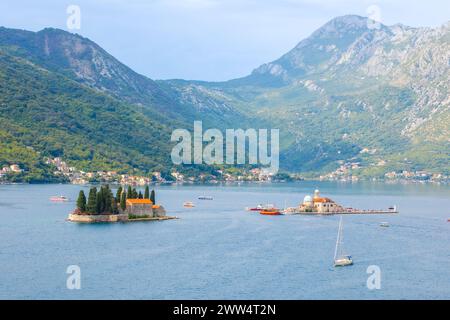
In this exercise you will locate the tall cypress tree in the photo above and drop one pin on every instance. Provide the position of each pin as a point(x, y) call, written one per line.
point(81, 201)
point(119, 194)
point(123, 201)
point(103, 200)
point(99, 208)
point(130, 192)
point(140, 196)
point(135, 194)
point(152, 197)
point(114, 209)
point(107, 199)
point(92, 201)
point(146, 193)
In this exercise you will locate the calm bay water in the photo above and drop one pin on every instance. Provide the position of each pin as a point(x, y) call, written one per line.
point(217, 250)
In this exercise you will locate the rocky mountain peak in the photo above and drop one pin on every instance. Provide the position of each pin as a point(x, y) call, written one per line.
point(324, 48)
point(342, 24)
point(80, 59)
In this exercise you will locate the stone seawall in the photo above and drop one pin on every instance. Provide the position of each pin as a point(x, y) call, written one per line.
point(97, 218)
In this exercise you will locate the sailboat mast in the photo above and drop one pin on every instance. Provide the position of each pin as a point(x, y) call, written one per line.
point(338, 239)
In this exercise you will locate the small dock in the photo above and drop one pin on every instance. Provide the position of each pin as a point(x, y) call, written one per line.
point(356, 212)
point(369, 212)
point(151, 219)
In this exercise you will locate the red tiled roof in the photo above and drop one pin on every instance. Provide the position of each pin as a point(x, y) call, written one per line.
point(323, 200)
point(139, 201)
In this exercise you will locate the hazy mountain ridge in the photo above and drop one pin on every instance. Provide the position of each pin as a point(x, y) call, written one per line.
point(385, 88)
point(82, 60)
point(345, 89)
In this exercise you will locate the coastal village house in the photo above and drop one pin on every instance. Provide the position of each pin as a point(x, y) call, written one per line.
point(12, 168)
point(143, 207)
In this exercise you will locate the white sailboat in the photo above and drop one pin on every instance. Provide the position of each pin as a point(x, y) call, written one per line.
point(341, 259)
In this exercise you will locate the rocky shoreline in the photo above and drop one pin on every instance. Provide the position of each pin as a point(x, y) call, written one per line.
point(102, 218)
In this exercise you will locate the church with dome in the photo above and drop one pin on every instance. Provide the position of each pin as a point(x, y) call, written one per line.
point(318, 204)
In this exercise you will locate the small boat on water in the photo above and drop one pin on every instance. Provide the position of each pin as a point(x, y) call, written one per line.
point(259, 207)
point(205, 198)
point(341, 259)
point(287, 211)
point(268, 209)
point(59, 199)
point(271, 212)
point(393, 209)
point(188, 204)
point(384, 224)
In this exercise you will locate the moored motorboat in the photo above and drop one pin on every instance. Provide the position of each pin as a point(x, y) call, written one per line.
point(288, 211)
point(259, 207)
point(384, 224)
point(205, 198)
point(268, 209)
point(270, 212)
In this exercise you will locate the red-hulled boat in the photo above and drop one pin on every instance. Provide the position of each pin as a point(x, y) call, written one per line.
point(271, 212)
point(259, 207)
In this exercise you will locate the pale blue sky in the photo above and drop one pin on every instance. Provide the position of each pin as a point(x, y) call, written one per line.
point(206, 39)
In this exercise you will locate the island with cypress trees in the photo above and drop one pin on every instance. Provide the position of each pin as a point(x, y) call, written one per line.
point(102, 205)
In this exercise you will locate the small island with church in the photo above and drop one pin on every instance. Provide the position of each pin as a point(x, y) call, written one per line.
point(318, 205)
point(126, 206)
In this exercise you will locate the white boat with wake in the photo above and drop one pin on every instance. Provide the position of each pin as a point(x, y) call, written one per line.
point(59, 198)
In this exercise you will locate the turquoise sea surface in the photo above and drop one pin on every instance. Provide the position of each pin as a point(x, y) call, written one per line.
point(217, 250)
